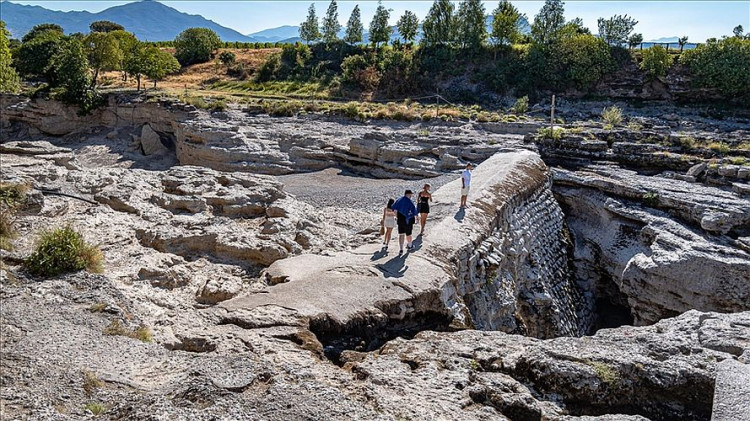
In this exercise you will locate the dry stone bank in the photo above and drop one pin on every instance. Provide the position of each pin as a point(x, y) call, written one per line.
point(577, 285)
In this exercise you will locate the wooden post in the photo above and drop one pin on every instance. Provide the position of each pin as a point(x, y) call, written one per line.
point(552, 116)
point(437, 104)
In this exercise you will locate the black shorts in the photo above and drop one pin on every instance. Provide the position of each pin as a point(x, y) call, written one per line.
point(404, 226)
point(423, 208)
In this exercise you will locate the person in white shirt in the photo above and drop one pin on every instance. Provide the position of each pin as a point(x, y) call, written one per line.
point(465, 183)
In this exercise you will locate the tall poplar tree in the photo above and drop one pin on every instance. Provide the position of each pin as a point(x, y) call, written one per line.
point(380, 31)
point(309, 30)
point(472, 29)
point(408, 25)
point(439, 24)
point(505, 24)
point(548, 22)
point(331, 25)
point(354, 27)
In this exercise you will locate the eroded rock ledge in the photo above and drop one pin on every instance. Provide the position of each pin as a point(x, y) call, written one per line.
point(498, 265)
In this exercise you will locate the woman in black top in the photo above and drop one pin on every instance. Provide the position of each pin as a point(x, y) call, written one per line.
point(423, 205)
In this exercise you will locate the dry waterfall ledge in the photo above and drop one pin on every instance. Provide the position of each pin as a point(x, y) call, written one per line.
point(462, 274)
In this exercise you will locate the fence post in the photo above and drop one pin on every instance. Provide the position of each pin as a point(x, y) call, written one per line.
point(552, 116)
point(437, 103)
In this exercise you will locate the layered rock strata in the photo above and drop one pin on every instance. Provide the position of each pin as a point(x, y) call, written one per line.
point(655, 245)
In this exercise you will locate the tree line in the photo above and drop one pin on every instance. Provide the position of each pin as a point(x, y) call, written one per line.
point(70, 65)
point(464, 27)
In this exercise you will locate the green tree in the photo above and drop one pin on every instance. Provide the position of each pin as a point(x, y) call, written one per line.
point(439, 25)
point(548, 22)
point(157, 64)
point(635, 40)
point(126, 41)
point(505, 24)
point(331, 25)
point(105, 26)
point(104, 53)
point(682, 41)
point(71, 68)
point(721, 65)
point(655, 61)
point(41, 29)
point(9, 80)
point(616, 30)
point(196, 45)
point(380, 31)
point(472, 29)
point(309, 30)
point(134, 61)
point(33, 57)
point(738, 30)
point(408, 25)
point(354, 27)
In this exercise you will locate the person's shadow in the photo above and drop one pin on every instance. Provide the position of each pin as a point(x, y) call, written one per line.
point(379, 254)
point(459, 216)
point(394, 268)
point(417, 243)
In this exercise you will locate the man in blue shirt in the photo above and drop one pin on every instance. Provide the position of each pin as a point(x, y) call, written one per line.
point(405, 218)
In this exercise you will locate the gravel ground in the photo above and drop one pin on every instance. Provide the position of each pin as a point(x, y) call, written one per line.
point(333, 187)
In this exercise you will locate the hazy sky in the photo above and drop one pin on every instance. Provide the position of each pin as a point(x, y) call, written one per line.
point(697, 19)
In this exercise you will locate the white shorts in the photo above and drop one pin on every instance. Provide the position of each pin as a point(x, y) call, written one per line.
point(465, 191)
point(390, 222)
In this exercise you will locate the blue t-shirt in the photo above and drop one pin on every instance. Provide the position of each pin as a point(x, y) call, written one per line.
point(405, 207)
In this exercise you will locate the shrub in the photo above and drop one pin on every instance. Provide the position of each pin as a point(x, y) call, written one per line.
point(656, 61)
point(282, 108)
point(687, 142)
point(651, 199)
point(612, 115)
point(550, 133)
point(722, 65)
point(61, 251)
point(522, 105)
point(227, 58)
point(270, 68)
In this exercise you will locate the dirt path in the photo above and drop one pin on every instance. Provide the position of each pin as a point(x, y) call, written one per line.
point(336, 187)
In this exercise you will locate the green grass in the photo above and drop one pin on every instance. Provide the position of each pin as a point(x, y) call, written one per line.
point(521, 106)
point(96, 408)
point(605, 372)
point(312, 90)
point(720, 148)
point(63, 250)
point(550, 133)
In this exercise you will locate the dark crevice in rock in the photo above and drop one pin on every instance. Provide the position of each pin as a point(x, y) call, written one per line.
point(370, 332)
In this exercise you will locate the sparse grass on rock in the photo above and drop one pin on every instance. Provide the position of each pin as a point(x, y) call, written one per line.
point(64, 250)
point(96, 408)
point(612, 116)
point(116, 328)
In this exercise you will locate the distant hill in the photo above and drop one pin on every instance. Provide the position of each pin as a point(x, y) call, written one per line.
point(149, 20)
point(276, 34)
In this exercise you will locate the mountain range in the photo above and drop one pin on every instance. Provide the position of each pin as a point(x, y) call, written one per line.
point(149, 20)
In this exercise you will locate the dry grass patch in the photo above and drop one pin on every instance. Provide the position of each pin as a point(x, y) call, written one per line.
point(116, 328)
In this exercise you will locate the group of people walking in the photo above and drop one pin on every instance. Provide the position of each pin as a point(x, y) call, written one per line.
point(402, 213)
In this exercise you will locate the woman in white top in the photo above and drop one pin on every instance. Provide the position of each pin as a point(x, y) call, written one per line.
point(388, 222)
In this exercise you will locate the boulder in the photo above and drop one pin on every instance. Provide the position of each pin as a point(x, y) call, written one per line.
point(151, 141)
